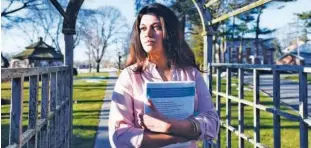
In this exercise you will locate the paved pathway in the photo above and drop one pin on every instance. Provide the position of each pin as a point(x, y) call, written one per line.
point(289, 90)
point(102, 139)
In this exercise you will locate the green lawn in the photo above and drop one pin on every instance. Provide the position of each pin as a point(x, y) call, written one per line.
point(89, 98)
point(296, 78)
point(289, 129)
point(92, 74)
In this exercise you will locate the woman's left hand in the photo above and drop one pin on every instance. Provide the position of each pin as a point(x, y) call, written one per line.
point(155, 121)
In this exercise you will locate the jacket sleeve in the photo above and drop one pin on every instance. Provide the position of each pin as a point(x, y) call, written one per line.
point(122, 131)
point(207, 115)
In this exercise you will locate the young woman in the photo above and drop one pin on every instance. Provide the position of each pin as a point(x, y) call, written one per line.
point(158, 53)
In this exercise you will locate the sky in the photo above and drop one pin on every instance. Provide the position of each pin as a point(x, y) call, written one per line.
point(273, 18)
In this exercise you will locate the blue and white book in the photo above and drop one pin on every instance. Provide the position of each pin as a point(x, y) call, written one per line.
point(174, 99)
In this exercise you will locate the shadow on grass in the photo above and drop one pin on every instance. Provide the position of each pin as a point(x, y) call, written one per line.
point(7, 116)
point(82, 142)
point(5, 130)
point(78, 141)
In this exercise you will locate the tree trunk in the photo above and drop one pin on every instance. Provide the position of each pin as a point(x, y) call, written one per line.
point(221, 50)
point(257, 33)
point(241, 51)
point(90, 63)
point(90, 67)
point(214, 49)
point(232, 40)
point(97, 66)
point(233, 27)
point(224, 49)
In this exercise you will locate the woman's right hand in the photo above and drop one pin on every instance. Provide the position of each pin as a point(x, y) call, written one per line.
point(155, 121)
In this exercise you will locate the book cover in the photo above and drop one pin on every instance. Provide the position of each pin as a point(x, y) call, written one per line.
point(174, 99)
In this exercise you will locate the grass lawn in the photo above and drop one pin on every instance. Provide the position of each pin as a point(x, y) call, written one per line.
point(92, 74)
point(296, 78)
point(289, 129)
point(89, 97)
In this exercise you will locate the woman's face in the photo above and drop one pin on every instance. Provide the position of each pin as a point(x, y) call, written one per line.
point(151, 33)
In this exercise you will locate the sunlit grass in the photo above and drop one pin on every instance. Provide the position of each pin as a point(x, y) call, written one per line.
point(296, 78)
point(92, 74)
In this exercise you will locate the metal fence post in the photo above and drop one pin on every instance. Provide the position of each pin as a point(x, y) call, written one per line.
point(228, 107)
point(52, 125)
point(241, 106)
point(276, 103)
point(256, 111)
point(16, 112)
point(303, 108)
point(32, 114)
point(218, 101)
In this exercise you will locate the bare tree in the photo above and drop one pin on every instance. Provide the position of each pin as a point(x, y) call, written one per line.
point(40, 19)
point(10, 11)
point(88, 53)
point(105, 28)
point(47, 19)
point(119, 63)
point(123, 46)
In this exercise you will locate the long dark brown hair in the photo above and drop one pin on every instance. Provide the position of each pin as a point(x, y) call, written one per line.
point(176, 49)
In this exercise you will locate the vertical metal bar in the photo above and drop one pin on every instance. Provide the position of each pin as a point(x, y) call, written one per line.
point(241, 107)
point(276, 103)
point(44, 109)
point(52, 125)
point(63, 111)
point(69, 62)
point(208, 45)
point(67, 109)
point(60, 99)
point(228, 107)
point(66, 115)
point(256, 111)
point(16, 112)
point(218, 102)
point(58, 112)
point(206, 75)
point(303, 108)
point(205, 16)
point(208, 49)
point(210, 69)
point(32, 114)
point(209, 58)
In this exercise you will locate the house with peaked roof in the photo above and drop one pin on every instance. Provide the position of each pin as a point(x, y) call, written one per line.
point(38, 54)
point(300, 55)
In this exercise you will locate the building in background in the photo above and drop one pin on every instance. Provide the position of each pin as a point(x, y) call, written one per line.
point(265, 51)
point(296, 55)
point(38, 54)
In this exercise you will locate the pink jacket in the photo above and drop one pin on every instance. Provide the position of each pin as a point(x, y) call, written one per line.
point(127, 105)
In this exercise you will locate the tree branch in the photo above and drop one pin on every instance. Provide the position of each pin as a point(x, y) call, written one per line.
point(27, 4)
